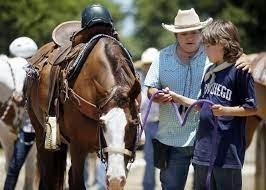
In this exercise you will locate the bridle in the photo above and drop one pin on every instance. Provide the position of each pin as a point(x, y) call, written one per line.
point(104, 149)
point(94, 112)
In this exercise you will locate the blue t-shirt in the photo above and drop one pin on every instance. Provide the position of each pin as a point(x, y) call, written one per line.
point(231, 87)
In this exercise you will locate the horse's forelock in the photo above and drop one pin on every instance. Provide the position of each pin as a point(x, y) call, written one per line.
point(121, 96)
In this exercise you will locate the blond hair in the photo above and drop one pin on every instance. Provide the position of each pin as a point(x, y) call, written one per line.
point(226, 34)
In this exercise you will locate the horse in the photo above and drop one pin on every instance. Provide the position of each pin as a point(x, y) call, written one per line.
point(258, 122)
point(96, 110)
point(258, 63)
point(11, 112)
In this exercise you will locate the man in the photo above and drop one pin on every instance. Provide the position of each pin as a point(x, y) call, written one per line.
point(180, 68)
point(22, 47)
point(151, 126)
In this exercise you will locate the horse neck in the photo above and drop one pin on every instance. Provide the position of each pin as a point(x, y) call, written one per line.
point(96, 76)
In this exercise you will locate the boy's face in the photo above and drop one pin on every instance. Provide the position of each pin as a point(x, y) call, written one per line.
point(189, 41)
point(215, 52)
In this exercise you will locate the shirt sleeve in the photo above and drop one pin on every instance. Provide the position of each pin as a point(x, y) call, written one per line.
point(152, 78)
point(246, 90)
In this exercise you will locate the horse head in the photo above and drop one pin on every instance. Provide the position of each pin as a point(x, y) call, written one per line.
point(112, 88)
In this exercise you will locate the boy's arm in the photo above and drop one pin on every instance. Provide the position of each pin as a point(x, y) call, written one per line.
point(181, 99)
point(219, 110)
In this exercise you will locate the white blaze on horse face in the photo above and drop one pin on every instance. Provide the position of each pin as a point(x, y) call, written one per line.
point(115, 121)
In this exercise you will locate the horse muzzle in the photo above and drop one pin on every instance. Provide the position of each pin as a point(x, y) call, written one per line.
point(117, 183)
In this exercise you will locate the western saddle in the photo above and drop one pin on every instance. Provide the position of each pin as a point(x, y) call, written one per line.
point(54, 61)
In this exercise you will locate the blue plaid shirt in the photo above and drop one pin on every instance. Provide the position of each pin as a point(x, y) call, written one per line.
point(184, 79)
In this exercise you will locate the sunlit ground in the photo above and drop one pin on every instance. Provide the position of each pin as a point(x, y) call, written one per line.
point(134, 179)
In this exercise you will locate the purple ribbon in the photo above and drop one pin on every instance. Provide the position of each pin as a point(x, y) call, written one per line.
point(182, 122)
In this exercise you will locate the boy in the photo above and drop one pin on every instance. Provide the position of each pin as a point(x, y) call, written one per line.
point(222, 140)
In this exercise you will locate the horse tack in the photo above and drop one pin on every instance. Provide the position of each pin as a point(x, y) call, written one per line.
point(54, 56)
point(89, 109)
point(84, 106)
point(58, 61)
point(58, 57)
point(63, 33)
point(76, 66)
point(82, 131)
point(40, 57)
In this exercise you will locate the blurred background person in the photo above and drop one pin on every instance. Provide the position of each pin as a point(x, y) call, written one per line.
point(94, 173)
point(151, 126)
point(23, 47)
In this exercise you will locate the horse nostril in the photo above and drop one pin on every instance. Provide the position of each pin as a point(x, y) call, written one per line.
point(116, 183)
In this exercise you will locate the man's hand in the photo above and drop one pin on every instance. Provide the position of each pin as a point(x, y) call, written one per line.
point(162, 97)
point(244, 63)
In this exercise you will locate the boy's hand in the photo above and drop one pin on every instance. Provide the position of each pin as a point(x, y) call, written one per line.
point(219, 110)
point(163, 97)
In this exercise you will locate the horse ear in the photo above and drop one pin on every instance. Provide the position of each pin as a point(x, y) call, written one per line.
point(135, 89)
point(99, 88)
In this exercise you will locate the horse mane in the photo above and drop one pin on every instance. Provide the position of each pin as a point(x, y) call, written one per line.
point(121, 68)
point(119, 62)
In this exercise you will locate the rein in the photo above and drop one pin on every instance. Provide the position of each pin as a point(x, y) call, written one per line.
point(94, 111)
point(86, 107)
point(182, 122)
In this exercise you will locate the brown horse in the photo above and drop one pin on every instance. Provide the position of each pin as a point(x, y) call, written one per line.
point(97, 110)
point(258, 61)
point(258, 122)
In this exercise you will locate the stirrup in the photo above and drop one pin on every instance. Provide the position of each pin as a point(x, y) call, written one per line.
point(52, 139)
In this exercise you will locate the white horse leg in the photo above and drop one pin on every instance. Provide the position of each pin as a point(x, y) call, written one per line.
point(7, 139)
point(31, 171)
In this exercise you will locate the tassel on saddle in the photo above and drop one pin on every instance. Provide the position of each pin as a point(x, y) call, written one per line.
point(52, 137)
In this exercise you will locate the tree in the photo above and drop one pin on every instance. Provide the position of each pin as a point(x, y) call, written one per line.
point(248, 15)
point(37, 18)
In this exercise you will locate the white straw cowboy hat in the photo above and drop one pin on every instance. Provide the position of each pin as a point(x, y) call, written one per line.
point(147, 57)
point(186, 20)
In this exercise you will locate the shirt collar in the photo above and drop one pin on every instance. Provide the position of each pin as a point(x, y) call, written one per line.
point(200, 51)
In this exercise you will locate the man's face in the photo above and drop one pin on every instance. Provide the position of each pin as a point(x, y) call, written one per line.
point(189, 41)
